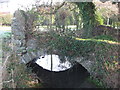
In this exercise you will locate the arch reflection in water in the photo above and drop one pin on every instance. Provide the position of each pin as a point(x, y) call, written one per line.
point(57, 65)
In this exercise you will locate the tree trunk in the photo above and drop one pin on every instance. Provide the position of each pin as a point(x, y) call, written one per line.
point(51, 62)
point(119, 11)
point(108, 21)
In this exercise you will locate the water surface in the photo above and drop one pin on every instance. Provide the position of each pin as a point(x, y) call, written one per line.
point(57, 65)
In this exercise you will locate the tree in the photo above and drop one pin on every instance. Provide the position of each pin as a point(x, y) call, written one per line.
point(64, 16)
point(119, 10)
point(77, 18)
point(87, 11)
point(107, 11)
point(60, 18)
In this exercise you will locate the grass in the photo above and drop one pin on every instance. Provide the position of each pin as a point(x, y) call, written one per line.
point(71, 27)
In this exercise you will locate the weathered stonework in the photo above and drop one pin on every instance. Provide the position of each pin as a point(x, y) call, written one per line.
point(25, 49)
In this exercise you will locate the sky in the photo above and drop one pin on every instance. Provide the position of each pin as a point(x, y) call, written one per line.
point(13, 5)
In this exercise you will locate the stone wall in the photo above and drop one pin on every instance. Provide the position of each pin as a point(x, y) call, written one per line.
point(25, 48)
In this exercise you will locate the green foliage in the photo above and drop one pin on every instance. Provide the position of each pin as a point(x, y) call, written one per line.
point(116, 24)
point(70, 46)
point(99, 19)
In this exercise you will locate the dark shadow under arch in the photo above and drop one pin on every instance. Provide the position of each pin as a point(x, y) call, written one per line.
point(70, 78)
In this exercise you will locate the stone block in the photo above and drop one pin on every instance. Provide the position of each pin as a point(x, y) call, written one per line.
point(19, 16)
point(21, 49)
point(17, 43)
point(26, 58)
point(88, 65)
point(23, 60)
point(20, 34)
point(32, 43)
point(23, 42)
point(39, 53)
point(21, 37)
point(33, 54)
point(24, 51)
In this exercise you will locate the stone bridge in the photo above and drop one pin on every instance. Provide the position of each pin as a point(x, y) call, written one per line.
point(26, 48)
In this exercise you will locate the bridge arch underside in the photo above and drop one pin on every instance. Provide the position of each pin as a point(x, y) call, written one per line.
point(74, 77)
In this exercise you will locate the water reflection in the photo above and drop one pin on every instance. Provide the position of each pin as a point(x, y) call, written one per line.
point(57, 65)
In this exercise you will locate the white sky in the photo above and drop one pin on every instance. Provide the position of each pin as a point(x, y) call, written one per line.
point(13, 5)
point(22, 4)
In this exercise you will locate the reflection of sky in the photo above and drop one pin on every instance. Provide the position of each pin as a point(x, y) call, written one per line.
point(57, 66)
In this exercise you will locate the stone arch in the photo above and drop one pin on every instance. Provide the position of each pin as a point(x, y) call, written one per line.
point(27, 48)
